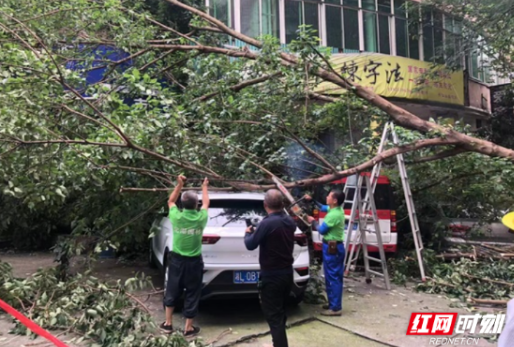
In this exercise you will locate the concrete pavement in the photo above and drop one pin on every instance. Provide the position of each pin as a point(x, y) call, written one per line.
point(372, 317)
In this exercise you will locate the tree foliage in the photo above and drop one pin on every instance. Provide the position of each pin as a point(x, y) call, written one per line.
point(86, 308)
point(169, 101)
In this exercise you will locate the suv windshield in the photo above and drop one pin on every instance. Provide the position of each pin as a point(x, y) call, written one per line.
point(234, 212)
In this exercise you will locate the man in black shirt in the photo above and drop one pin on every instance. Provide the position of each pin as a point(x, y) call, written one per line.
point(275, 236)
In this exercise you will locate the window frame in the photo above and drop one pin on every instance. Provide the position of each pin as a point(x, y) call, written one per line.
point(231, 13)
point(321, 22)
point(260, 17)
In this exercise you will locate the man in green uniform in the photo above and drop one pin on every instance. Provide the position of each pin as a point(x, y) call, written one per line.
point(332, 230)
point(186, 263)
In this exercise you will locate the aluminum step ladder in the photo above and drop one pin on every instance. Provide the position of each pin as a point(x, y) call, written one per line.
point(350, 192)
point(352, 256)
point(367, 210)
point(409, 201)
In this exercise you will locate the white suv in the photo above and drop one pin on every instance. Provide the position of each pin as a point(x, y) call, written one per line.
point(230, 269)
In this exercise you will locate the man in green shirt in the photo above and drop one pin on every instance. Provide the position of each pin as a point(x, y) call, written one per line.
point(332, 230)
point(185, 259)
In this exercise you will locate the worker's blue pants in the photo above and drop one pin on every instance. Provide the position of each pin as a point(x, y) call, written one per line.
point(333, 264)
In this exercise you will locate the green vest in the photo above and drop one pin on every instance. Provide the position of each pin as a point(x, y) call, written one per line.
point(188, 226)
point(335, 222)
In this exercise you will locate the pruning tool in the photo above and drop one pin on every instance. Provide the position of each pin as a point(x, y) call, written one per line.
point(294, 203)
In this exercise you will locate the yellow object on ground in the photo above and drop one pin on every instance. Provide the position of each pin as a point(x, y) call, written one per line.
point(508, 220)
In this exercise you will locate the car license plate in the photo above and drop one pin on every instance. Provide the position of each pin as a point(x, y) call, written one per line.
point(246, 277)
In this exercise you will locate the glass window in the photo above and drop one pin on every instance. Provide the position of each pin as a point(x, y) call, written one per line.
point(402, 38)
point(338, 2)
point(311, 15)
point(474, 65)
point(250, 18)
point(438, 38)
point(220, 9)
point(300, 13)
point(384, 6)
point(351, 29)
point(457, 29)
point(293, 10)
point(370, 32)
point(383, 23)
point(448, 24)
point(351, 3)
point(270, 21)
point(449, 37)
point(399, 8)
point(369, 5)
point(413, 39)
point(234, 213)
point(453, 41)
point(334, 26)
point(428, 37)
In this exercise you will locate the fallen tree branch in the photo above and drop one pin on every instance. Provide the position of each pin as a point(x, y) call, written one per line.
point(488, 280)
point(459, 255)
point(441, 155)
point(69, 142)
point(220, 336)
point(140, 170)
point(240, 86)
point(322, 97)
point(162, 56)
point(211, 29)
point(155, 190)
point(139, 302)
point(165, 27)
point(325, 178)
point(489, 302)
point(53, 12)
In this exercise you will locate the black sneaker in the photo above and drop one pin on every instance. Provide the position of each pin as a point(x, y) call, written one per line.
point(168, 329)
point(193, 332)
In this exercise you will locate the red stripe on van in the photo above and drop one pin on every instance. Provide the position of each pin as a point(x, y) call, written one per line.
point(382, 214)
point(381, 179)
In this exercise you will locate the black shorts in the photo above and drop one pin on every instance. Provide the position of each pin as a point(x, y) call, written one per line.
point(185, 276)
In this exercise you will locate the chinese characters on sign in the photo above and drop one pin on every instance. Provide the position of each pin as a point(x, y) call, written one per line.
point(398, 77)
point(446, 323)
point(372, 69)
point(351, 71)
point(394, 72)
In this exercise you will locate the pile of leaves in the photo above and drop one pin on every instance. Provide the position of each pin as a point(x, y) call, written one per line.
point(469, 280)
point(95, 312)
point(315, 292)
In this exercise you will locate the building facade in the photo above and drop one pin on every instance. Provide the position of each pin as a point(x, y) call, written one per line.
point(392, 31)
